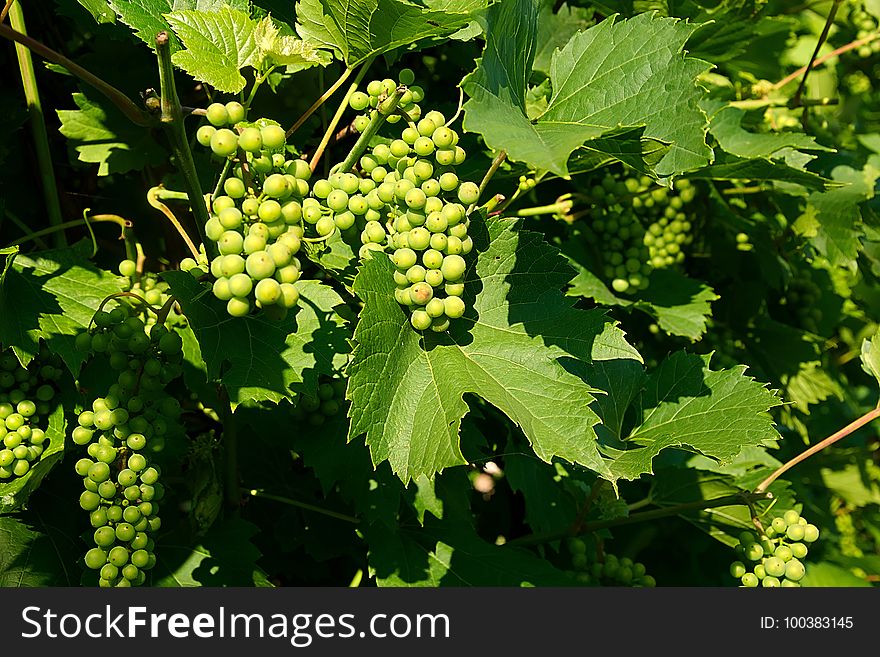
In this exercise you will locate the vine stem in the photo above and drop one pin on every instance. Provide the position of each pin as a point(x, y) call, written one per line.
point(119, 99)
point(388, 106)
point(328, 133)
point(38, 125)
point(852, 45)
point(153, 199)
point(824, 35)
point(818, 447)
point(5, 10)
point(493, 168)
point(587, 527)
point(123, 223)
point(304, 505)
point(172, 123)
point(560, 207)
point(318, 103)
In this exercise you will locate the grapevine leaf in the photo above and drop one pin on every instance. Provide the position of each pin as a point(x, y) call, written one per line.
point(265, 357)
point(54, 295)
point(33, 553)
point(407, 390)
point(225, 556)
point(358, 30)
point(871, 356)
point(101, 135)
point(622, 380)
point(555, 29)
point(146, 17)
point(456, 557)
point(287, 50)
point(686, 404)
point(616, 74)
point(14, 493)
point(426, 499)
point(727, 167)
point(99, 11)
point(218, 45)
point(726, 126)
point(825, 574)
point(680, 304)
point(833, 220)
point(549, 507)
point(851, 484)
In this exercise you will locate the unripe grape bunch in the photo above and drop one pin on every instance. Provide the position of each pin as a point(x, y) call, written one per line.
point(409, 201)
point(26, 396)
point(610, 571)
point(329, 402)
point(640, 227)
point(120, 432)
point(257, 222)
point(774, 559)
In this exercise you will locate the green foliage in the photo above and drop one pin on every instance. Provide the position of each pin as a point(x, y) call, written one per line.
point(643, 51)
point(672, 264)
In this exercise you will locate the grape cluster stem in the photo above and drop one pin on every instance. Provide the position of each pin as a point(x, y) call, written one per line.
point(172, 123)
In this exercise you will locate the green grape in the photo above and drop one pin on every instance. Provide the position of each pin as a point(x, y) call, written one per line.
point(95, 558)
point(794, 570)
point(420, 320)
point(235, 112)
point(204, 135)
point(217, 114)
point(359, 101)
point(250, 140)
point(224, 142)
point(273, 137)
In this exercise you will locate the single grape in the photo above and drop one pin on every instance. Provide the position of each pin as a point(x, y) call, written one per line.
point(217, 114)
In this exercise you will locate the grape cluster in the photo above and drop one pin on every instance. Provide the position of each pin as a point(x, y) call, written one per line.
point(611, 571)
point(154, 291)
point(257, 224)
point(641, 227)
point(866, 25)
point(777, 554)
point(120, 431)
point(26, 394)
point(378, 91)
point(410, 201)
point(327, 403)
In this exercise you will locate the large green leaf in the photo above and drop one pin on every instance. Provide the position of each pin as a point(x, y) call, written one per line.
point(627, 73)
point(33, 553)
point(686, 404)
point(14, 493)
point(225, 556)
point(146, 17)
point(101, 135)
point(218, 45)
point(833, 220)
point(260, 359)
point(358, 30)
point(52, 295)
point(555, 29)
point(408, 389)
point(681, 305)
point(456, 557)
point(726, 127)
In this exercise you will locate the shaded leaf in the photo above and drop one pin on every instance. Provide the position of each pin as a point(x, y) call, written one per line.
point(259, 359)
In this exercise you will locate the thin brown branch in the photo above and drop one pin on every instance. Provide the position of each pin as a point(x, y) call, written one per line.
point(818, 447)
